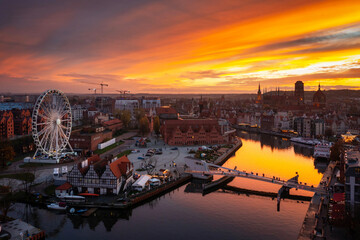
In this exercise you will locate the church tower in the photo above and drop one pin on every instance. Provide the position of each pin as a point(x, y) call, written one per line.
point(259, 97)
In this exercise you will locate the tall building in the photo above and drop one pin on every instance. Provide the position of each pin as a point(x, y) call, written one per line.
point(299, 91)
point(259, 97)
point(319, 98)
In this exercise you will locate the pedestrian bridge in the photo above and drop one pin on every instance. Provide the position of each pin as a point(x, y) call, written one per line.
point(199, 168)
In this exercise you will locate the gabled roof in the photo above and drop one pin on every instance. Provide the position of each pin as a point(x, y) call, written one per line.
point(119, 166)
point(112, 122)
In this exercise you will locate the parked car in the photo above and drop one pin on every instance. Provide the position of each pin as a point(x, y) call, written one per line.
point(174, 148)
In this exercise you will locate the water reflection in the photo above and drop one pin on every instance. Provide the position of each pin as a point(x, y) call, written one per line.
point(222, 214)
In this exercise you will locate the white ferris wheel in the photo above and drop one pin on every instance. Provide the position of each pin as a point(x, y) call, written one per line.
point(51, 124)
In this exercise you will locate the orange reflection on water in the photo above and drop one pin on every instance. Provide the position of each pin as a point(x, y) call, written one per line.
point(282, 163)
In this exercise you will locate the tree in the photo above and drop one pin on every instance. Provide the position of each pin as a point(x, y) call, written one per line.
point(336, 150)
point(125, 117)
point(7, 153)
point(139, 113)
point(144, 125)
point(157, 125)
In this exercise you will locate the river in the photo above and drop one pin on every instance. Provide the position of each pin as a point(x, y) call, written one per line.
point(186, 214)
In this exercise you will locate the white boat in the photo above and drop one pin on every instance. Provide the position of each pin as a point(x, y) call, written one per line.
point(73, 198)
point(57, 206)
point(322, 150)
point(306, 141)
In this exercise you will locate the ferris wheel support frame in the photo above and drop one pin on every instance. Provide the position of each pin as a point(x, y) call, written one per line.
point(61, 108)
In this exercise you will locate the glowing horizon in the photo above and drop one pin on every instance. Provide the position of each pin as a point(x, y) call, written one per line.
point(179, 47)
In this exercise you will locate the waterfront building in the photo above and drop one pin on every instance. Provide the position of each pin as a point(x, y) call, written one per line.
point(318, 127)
point(302, 125)
point(101, 176)
point(267, 121)
point(194, 132)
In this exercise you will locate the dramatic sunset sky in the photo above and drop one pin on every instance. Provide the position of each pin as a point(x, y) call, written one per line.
point(178, 46)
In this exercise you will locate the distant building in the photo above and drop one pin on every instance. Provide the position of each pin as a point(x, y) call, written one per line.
point(127, 104)
point(299, 92)
point(77, 114)
point(319, 99)
point(150, 103)
point(166, 113)
point(258, 97)
point(6, 124)
point(101, 176)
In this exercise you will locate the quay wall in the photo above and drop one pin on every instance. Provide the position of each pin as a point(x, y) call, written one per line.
point(223, 158)
point(316, 207)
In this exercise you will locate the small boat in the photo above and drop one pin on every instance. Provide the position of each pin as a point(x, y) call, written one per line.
point(57, 206)
point(81, 210)
point(89, 194)
point(73, 210)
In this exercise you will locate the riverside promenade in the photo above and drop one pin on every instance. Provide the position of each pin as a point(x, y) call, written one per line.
point(315, 212)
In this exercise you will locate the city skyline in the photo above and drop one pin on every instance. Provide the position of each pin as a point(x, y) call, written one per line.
point(178, 47)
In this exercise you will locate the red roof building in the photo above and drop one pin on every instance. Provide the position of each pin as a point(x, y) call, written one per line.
point(192, 132)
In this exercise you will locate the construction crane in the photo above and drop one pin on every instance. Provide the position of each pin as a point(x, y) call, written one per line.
point(93, 89)
point(123, 92)
point(102, 85)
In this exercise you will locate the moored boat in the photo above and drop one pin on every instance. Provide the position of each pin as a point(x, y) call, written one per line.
point(57, 206)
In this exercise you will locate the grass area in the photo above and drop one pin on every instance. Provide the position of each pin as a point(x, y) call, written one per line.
point(101, 151)
point(126, 152)
point(28, 177)
point(50, 190)
point(33, 165)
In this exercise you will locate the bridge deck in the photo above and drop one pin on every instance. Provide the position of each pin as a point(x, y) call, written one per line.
point(235, 173)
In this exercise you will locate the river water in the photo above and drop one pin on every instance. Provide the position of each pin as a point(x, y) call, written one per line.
point(186, 214)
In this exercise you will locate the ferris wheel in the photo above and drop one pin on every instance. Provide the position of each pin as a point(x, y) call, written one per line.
point(51, 124)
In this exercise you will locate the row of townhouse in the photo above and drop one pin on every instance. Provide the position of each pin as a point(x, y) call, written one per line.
point(101, 176)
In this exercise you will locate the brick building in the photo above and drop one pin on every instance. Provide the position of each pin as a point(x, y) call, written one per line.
point(88, 141)
point(192, 132)
point(22, 121)
point(6, 124)
point(113, 125)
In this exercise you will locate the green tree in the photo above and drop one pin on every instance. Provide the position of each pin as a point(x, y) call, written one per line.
point(7, 153)
point(144, 125)
point(157, 125)
point(139, 113)
point(125, 117)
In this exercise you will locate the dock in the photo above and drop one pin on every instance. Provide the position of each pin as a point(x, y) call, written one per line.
point(214, 185)
point(136, 199)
